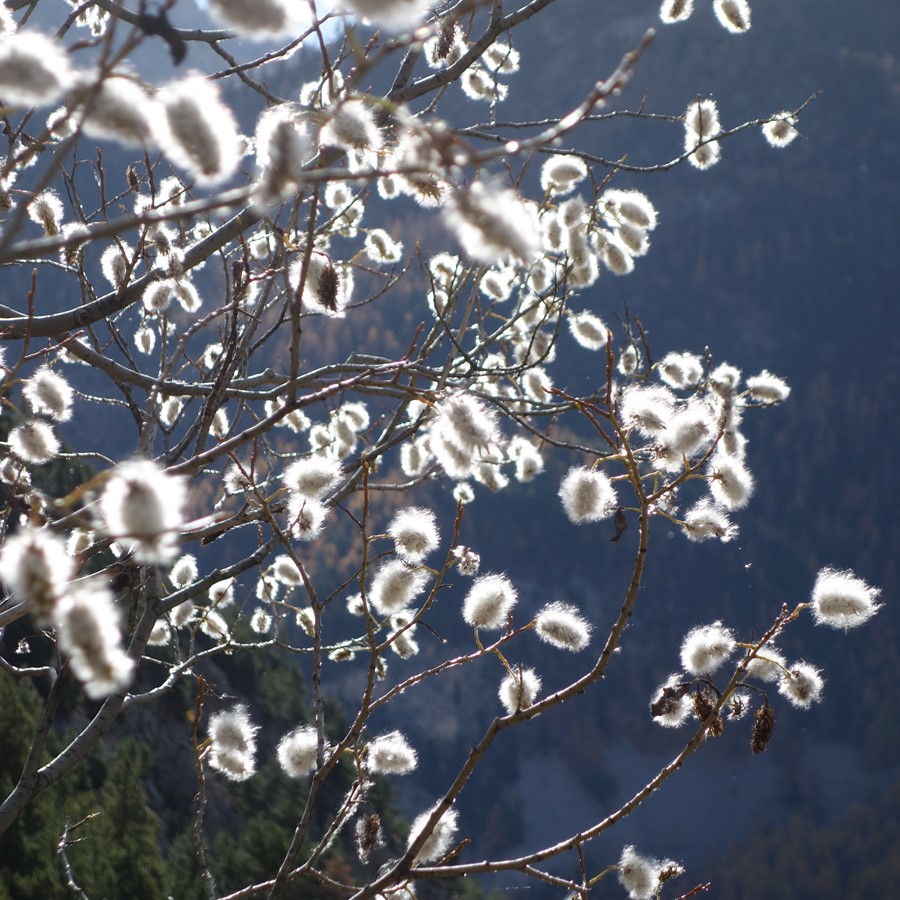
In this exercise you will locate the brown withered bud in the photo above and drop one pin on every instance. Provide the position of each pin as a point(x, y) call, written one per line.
point(327, 288)
point(703, 707)
point(368, 835)
point(668, 699)
point(445, 40)
point(737, 707)
point(621, 524)
point(670, 870)
point(131, 176)
point(239, 269)
point(762, 728)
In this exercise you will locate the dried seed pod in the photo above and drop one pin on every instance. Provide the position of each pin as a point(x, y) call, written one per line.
point(445, 40)
point(368, 835)
point(327, 287)
point(762, 728)
point(667, 701)
point(131, 176)
point(704, 704)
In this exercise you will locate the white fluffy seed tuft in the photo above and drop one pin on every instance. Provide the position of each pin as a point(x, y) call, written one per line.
point(842, 600)
point(587, 496)
point(391, 754)
point(561, 625)
point(489, 602)
point(706, 648)
point(801, 684)
point(415, 533)
point(440, 838)
point(519, 689)
point(297, 751)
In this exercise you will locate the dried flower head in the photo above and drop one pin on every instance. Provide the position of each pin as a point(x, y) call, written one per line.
point(445, 47)
point(326, 287)
point(763, 724)
point(369, 835)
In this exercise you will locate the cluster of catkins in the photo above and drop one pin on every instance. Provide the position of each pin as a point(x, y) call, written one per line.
point(232, 751)
point(733, 15)
point(839, 599)
point(139, 509)
point(671, 433)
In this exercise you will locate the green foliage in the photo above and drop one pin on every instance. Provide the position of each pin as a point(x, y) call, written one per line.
point(120, 855)
point(28, 867)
